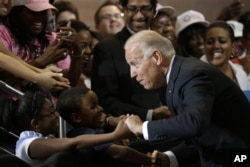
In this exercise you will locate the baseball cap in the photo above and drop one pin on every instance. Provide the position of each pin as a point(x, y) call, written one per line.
point(34, 5)
point(237, 28)
point(169, 10)
point(188, 18)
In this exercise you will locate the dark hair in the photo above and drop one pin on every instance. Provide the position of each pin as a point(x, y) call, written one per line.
point(7, 114)
point(224, 25)
point(28, 107)
point(106, 3)
point(96, 35)
point(51, 1)
point(70, 102)
point(63, 6)
point(21, 34)
point(124, 3)
point(245, 18)
point(246, 32)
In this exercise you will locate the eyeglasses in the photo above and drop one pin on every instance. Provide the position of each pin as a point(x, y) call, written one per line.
point(110, 16)
point(144, 9)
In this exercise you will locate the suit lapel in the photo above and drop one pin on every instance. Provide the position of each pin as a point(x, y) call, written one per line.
point(171, 83)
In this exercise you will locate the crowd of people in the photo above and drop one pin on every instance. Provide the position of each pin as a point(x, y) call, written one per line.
point(146, 87)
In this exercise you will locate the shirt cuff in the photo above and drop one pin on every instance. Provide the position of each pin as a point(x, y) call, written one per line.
point(145, 130)
point(172, 159)
point(149, 115)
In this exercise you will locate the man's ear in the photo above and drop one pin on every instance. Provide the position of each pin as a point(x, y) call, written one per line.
point(157, 56)
point(75, 118)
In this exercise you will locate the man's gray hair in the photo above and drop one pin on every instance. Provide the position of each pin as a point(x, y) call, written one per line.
point(149, 41)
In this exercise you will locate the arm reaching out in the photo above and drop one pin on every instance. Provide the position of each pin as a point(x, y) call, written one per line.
point(48, 79)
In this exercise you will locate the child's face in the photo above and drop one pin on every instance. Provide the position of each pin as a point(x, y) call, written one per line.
point(48, 119)
point(91, 113)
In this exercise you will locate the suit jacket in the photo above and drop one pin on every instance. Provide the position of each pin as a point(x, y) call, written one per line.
point(209, 109)
point(118, 93)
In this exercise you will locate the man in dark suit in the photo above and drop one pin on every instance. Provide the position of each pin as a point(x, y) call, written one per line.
point(208, 109)
point(117, 92)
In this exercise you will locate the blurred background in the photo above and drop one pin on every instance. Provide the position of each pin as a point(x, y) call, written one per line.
point(210, 8)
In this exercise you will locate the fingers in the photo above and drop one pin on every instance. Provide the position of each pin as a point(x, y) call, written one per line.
point(154, 156)
point(61, 85)
point(69, 24)
point(54, 68)
point(59, 77)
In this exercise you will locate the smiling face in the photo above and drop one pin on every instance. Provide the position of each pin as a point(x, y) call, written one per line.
point(163, 24)
point(138, 14)
point(34, 22)
point(87, 47)
point(111, 21)
point(218, 46)
point(91, 114)
point(47, 121)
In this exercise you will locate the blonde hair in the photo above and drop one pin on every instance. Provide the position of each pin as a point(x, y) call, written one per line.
point(149, 41)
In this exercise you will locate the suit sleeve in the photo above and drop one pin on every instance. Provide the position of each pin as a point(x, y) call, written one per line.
point(192, 100)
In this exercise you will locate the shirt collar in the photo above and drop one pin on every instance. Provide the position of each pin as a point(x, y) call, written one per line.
point(170, 68)
point(130, 30)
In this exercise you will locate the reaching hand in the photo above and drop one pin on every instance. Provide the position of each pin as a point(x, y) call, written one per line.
point(161, 112)
point(53, 53)
point(113, 121)
point(52, 68)
point(134, 124)
point(122, 131)
point(53, 80)
point(69, 37)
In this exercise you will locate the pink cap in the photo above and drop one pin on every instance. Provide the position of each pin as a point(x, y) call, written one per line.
point(34, 5)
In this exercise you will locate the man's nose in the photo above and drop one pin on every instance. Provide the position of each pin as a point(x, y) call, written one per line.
point(132, 73)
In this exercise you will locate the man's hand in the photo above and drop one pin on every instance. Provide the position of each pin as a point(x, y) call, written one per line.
point(161, 112)
point(134, 124)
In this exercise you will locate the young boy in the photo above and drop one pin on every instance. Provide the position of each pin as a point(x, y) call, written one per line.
point(79, 107)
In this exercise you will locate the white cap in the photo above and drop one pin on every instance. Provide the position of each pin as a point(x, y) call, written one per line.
point(237, 28)
point(188, 18)
point(169, 10)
